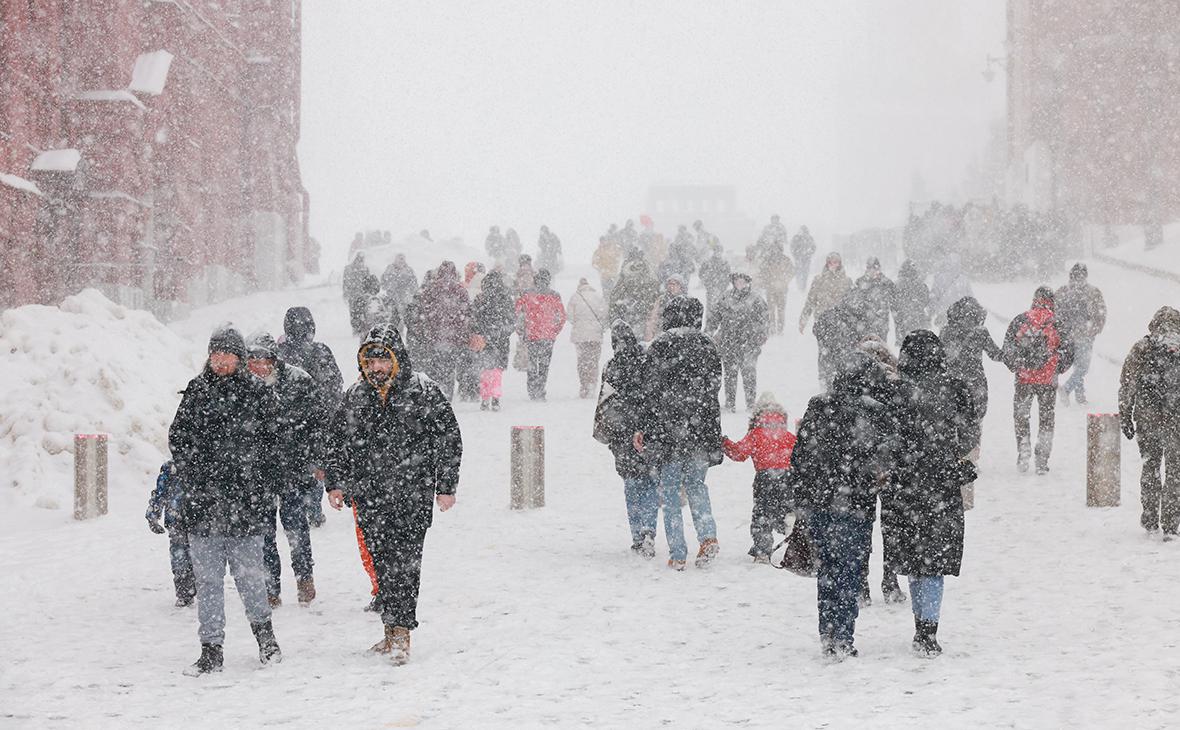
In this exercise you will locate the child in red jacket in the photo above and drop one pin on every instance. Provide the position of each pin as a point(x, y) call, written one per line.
point(770, 443)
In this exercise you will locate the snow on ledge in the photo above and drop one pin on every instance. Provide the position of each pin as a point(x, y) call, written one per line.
point(150, 73)
point(65, 160)
point(110, 95)
point(18, 182)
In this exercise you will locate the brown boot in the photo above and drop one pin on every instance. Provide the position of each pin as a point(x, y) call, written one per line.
point(275, 601)
point(400, 641)
point(385, 646)
point(306, 589)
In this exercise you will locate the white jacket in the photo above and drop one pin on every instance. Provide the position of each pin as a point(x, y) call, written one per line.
point(587, 315)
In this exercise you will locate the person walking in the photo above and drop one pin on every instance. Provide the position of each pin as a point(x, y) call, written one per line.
point(843, 452)
point(680, 429)
point(673, 289)
point(965, 340)
point(543, 315)
point(879, 294)
point(826, 291)
point(396, 450)
point(775, 270)
point(740, 331)
point(493, 320)
point(549, 251)
point(223, 442)
point(299, 456)
point(607, 261)
point(587, 317)
point(1081, 310)
point(938, 429)
point(165, 502)
point(714, 273)
point(621, 405)
point(444, 307)
point(634, 295)
point(400, 284)
point(911, 305)
point(1149, 409)
point(802, 249)
point(1035, 350)
point(769, 442)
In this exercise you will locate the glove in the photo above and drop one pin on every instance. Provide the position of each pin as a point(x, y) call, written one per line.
point(1129, 428)
point(155, 526)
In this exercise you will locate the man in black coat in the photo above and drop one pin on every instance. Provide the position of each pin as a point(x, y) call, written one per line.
point(301, 424)
point(395, 452)
point(299, 347)
point(924, 504)
point(843, 451)
point(879, 295)
point(740, 329)
point(223, 442)
point(680, 431)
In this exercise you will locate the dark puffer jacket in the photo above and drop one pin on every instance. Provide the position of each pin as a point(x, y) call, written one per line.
point(225, 445)
point(298, 347)
point(740, 321)
point(922, 509)
point(966, 340)
point(393, 449)
point(621, 401)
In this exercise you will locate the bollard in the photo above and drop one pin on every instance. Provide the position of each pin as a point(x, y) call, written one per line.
point(90, 475)
point(528, 467)
point(1103, 449)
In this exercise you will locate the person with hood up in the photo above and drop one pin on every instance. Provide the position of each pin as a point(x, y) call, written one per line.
point(714, 274)
point(1149, 407)
point(300, 456)
point(549, 251)
point(299, 347)
point(775, 270)
point(543, 315)
point(607, 261)
point(680, 429)
point(493, 319)
point(165, 502)
point(838, 331)
point(965, 340)
point(444, 306)
point(843, 453)
point(1081, 310)
point(923, 505)
point(673, 289)
point(395, 453)
point(911, 302)
point(740, 331)
point(769, 442)
point(621, 405)
point(826, 291)
point(587, 317)
point(223, 441)
point(359, 286)
point(400, 283)
point(1037, 352)
point(802, 249)
point(634, 295)
point(879, 295)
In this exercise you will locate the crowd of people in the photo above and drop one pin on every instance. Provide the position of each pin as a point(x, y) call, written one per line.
point(267, 428)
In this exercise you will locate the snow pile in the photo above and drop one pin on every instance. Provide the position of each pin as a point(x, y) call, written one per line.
point(87, 366)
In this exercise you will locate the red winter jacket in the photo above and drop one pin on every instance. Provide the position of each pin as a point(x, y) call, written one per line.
point(769, 442)
point(544, 314)
point(1040, 317)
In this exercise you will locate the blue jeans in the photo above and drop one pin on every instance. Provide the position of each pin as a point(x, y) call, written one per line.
point(926, 596)
point(688, 473)
point(1083, 350)
point(244, 557)
point(293, 516)
point(841, 543)
point(643, 505)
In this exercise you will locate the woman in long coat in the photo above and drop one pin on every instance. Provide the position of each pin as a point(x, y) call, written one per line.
point(493, 318)
point(924, 503)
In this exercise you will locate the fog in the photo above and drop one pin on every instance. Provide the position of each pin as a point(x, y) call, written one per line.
point(453, 116)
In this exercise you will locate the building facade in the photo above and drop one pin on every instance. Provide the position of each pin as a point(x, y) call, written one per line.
point(148, 148)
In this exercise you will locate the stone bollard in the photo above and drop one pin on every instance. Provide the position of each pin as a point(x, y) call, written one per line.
point(528, 467)
point(1103, 449)
point(90, 475)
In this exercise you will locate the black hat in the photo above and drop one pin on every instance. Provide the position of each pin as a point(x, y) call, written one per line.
point(1079, 272)
point(1044, 293)
point(376, 352)
point(227, 339)
point(263, 347)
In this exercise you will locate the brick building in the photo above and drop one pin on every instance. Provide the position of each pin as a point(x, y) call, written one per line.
point(148, 148)
point(1094, 108)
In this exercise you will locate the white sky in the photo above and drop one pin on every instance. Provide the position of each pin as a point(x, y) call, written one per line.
point(456, 115)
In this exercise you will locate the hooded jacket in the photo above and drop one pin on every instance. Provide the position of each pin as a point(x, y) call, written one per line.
point(542, 310)
point(443, 307)
point(768, 441)
point(394, 447)
point(493, 317)
point(621, 401)
point(1037, 320)
point(966, 340)
point(825, 292)
point(1149, 384)
point(298, 347)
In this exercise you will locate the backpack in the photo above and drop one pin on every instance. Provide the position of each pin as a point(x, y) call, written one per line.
point(1032, 347)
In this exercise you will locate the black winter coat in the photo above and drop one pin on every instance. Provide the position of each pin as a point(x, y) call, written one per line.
point(621, 401)
point(911, 303)
point(966, 340)
point(393, 453)
point(302, 420)
point(878, 296)
point(224, 441)
point(298, 347)
point(922, 510)
point(741, 323)
point(493, 316)
point(683, 415)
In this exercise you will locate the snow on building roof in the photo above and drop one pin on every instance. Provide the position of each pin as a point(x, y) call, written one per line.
point(150, 73)
point(57, 161)
point(110, 95)
point(18, 182)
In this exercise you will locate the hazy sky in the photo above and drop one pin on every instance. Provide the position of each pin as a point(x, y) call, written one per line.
point(456, 115)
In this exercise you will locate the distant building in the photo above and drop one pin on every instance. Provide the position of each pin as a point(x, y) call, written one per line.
point(149, 149)
point(1094, 108)
point(714, 205)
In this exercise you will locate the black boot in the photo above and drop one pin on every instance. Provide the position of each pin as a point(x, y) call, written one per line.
point(925, 638)
point(268, 648)
point(210, 661)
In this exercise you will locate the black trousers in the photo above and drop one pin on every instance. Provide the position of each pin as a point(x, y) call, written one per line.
point(1160, 494)
point(1022, 399)
point(397, 560)
point(769, 513)
point(540, 353)
point(745, 363)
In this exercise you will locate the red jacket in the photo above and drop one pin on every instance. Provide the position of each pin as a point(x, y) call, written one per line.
point(769, 442)
point(1040, 317)
point(544, 314)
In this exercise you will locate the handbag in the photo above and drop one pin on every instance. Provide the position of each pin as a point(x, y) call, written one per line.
point(799, 557)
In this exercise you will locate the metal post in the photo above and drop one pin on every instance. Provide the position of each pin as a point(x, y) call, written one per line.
point(90, 475)
point(1103, 459)
point(528, 467)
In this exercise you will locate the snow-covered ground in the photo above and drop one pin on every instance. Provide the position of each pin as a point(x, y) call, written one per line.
point(1064, 616)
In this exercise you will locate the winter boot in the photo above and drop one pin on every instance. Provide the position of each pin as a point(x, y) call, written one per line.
point(495, 404)
point(834, 652)
point(274, 600)
point(645, 548)
point(925, 641)
point(268, 648)
point(395, 643)
point(677, 565)
point(761, 560)
point(210, 661)
point(306, 590)
point(891, 590)
point(183, 601)
point(708, 552)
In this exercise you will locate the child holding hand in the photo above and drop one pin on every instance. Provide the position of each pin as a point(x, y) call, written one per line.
point(769, 442)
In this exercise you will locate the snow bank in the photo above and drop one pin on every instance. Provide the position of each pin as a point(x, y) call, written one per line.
point(87, 366)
